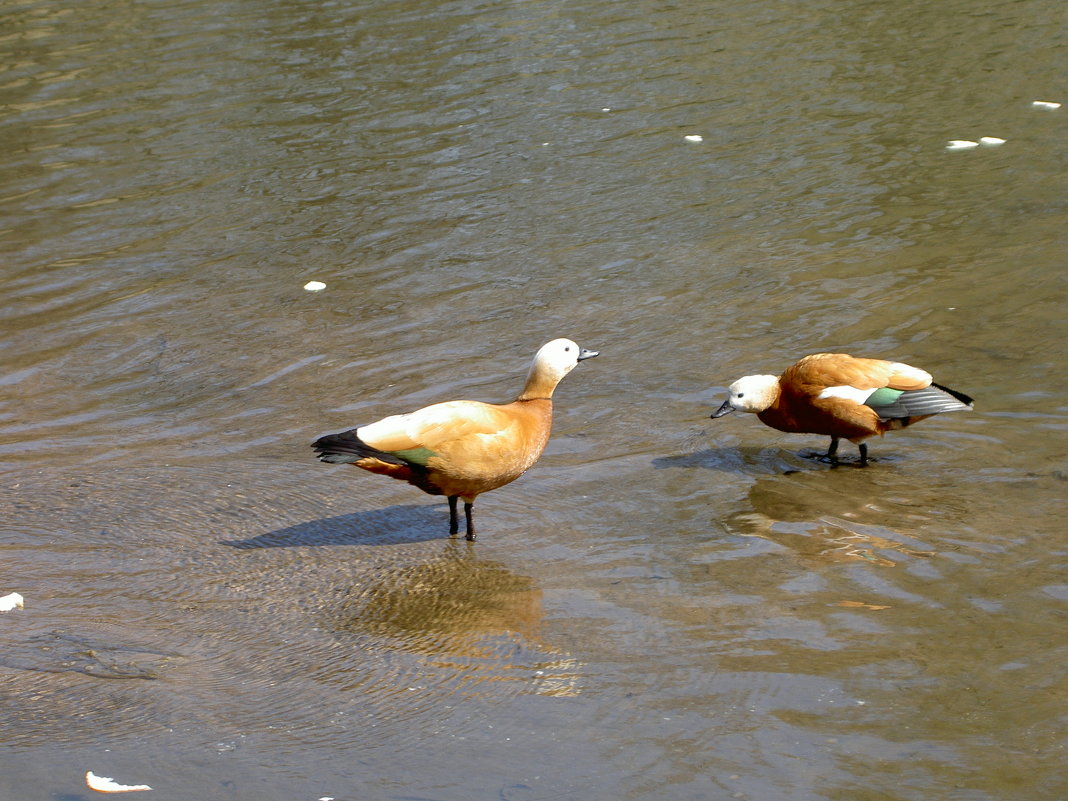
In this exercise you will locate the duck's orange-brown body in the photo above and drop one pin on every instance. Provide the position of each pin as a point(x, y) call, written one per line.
point(842, 396)
point(473, 447)
point(799, 409)
point(462, 448)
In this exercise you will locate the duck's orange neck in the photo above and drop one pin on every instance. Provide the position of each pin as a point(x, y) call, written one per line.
point(539, 386)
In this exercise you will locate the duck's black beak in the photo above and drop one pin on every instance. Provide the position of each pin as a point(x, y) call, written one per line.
point(726, 408)
point(586, 354)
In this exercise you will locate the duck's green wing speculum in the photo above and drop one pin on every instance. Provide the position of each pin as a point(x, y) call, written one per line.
point(419, 456)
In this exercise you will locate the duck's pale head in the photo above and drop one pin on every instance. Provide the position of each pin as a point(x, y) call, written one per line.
point(753, 394)
point(560, 356)
point(552, 362)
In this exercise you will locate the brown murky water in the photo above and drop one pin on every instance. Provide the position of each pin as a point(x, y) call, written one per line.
point(666, 607)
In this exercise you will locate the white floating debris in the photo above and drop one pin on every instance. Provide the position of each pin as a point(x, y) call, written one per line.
point(102, 784)
point(315, 286)
point(694, 138)
point(1046, 104)
point(606, 109)
point(961, 144)
point(991, 141)
point(12, 601)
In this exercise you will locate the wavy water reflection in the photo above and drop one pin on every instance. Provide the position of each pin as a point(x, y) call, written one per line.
point(665, 606)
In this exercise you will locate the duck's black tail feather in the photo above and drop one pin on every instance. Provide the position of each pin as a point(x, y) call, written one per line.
point(347, 448)
point(960, 396)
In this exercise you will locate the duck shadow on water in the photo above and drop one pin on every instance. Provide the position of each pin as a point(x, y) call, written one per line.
point(392, 525)
point(732, 459)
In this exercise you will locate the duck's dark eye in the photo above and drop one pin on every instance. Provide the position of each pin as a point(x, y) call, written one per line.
point(741, 394)
point(567, 349)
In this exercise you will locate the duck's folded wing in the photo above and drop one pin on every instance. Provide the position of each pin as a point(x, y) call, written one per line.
point(838, 370)
point(431, 427)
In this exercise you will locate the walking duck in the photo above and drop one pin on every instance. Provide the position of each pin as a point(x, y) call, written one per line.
point(843, 397)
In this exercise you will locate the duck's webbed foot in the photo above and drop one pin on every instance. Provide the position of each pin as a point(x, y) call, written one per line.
point(830, 457)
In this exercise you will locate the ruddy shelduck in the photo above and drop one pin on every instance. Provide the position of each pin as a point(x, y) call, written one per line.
point(462, 448)
point(843, 397)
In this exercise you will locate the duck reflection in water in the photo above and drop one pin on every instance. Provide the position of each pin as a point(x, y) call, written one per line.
point(829, 522)
point(472, 620)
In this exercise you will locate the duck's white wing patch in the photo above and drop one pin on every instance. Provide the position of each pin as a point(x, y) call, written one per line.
point(858, 396)
point(388, 434)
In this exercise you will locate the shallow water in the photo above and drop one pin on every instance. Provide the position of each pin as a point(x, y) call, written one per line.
point(666, 606)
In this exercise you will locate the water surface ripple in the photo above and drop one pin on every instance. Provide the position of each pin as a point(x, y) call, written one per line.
point(666, 606)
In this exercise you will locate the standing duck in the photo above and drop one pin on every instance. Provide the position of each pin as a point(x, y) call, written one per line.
point(462, 448)
point(842, 396)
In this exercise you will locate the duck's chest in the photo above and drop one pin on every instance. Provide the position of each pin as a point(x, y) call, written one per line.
point(501, 456)
point(814, 415)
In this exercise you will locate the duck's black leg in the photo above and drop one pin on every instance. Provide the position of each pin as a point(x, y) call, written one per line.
point(863, 448)
point(468, 509)
point(832, 452)
point(454, 521)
